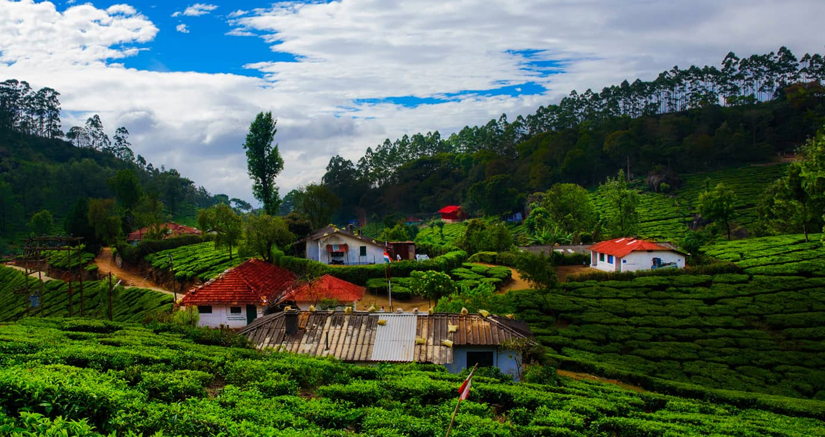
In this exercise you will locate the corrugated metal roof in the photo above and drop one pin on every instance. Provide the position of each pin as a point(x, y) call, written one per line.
point(359, 336)
point(395, 340)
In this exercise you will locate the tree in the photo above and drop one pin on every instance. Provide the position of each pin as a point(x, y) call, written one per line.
point(264, 161)
point(298, 224)
point(149, 211)
point(104, 220)
point(77, 224)
point(227, 226)
point(10, 209)
point(122, 146)
point(621, 218)
point(570, 207)
point(318, 203)
point(432, 284)
point(240, 206)
point(718, 206)
point(126, 187)
point(41, 223)
point(399, 232)
point(812, 168)
point(486, 237)
point(538, 272)
point(98, 139)
point(264, 233)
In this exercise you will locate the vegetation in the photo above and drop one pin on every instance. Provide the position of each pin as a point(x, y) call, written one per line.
point(718, 206)
point(263, 234)
point(621, 219)
point(202, 261)
point(226, 225)
point(128, 304)
point(146, 381)
point(264, 161)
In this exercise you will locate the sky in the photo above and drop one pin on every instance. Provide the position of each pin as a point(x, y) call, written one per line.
point(187, 79)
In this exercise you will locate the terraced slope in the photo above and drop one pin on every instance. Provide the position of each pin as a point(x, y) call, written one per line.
point(90, 378)
point(128, 304)
point(780, 255)
point(202, 261)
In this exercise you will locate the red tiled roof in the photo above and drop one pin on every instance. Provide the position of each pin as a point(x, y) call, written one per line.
point(174, 231)
point(253, 282)
point(449, 209)
point(326, 287)
point(620, 247)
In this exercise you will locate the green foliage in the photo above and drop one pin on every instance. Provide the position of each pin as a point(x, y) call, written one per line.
point(481, 236)
point(135, 254)
point(318, 203)
point(202, 260)
point(126, 186)
point(621, 218)
point(437, 240)
point(41, 223)
point(399, 232)
point(432, 284)
point(570, 208)
point(718, 206)
point(265, 233)
point(264, 162)
point(129, 304)
point(226, 225)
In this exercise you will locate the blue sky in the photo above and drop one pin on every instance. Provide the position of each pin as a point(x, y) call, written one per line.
point(341, 76)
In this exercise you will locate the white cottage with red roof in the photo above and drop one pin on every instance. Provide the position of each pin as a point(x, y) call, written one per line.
point(630, 254)
point(326, 287)
point(239, 295)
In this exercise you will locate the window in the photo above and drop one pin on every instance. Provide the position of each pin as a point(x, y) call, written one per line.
point(362, 251)
point(234, 310)
point(205, 309)
point(601, 257)
point(610, 259)
point(483, 359)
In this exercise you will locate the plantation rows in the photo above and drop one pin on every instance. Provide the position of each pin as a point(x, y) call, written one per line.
point(128, 304)
point(200, 260)
point(469, 275)
point(430, 240)
point(95, 378)
point(780, 255)
point(730, 331)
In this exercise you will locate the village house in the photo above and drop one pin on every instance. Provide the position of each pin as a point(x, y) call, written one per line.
point(326, 288)
point(332, 245)
point(239, 295)
point(452, 214)
point(453, 340)
point(629, 254)
point(401, 250)
point(169, 230)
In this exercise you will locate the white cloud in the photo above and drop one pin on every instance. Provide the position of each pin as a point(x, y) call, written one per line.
point(199, 9)
point(176, 14)
point(352, 50)
point(181, 28)
point(237, 13)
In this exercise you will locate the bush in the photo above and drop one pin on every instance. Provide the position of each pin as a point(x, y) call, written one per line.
point(174, 386)
point(544, 375)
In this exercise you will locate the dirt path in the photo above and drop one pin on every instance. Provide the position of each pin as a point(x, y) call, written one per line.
point(32, 273)
point(564, 271)
point(589, 377)
point(105, 264)
point(517, 283)
point(383, 301)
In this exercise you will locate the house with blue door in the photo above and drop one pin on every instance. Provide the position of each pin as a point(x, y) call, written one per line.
point(455, 341)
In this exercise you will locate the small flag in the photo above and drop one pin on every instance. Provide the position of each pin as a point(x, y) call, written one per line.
point(387, 257)
point(464, 390)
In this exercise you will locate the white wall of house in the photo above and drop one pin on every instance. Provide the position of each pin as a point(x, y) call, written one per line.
point(644, 260)
point(317, 250)
point(604, 262)
point(223, 315)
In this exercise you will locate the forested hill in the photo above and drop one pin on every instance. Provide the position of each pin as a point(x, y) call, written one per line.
point(686, 120)
point(39, 171)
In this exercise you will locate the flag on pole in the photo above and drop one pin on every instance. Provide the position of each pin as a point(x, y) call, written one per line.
point(464, 390)
point(387, 258)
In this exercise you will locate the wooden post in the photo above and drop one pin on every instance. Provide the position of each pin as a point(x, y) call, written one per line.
point(110, 297)
point(80, 274)
point(26, 282)
point(69, 259)
point(452, 420)
point(40, 277)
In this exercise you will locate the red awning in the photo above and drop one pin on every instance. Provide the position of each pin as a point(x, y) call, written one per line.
point(337, 248)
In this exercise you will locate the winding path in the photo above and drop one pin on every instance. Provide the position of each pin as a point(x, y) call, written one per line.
point(105, 265)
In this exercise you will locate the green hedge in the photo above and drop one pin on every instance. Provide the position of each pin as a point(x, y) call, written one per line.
point(136, 254)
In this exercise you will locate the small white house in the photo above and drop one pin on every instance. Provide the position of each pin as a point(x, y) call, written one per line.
point(629, 255)
point(239, 295)
point(332, 245)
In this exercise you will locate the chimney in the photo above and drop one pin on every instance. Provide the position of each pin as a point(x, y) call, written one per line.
point(359, 232)
point(350, 228)
point(291, 321)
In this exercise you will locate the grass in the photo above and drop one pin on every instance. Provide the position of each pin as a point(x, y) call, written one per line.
point(73, 377)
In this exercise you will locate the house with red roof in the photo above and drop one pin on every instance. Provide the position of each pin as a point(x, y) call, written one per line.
point(326, 287)
point(452, 214)
point(333, 245)
point(630, 254)
point(167, 230)
point(239, 295)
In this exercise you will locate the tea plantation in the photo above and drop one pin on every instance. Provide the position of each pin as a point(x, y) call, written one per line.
point(128, 304)
point(202, 261)
point(760, 330)
point(75, 377)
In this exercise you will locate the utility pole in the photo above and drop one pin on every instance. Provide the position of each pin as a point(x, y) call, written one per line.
point(69, 259)
point(80, 274)
point(174, 281)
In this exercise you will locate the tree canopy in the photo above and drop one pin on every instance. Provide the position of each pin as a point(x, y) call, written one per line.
point(264, 162)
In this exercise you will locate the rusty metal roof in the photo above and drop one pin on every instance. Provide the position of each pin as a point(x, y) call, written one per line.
point(360, 336)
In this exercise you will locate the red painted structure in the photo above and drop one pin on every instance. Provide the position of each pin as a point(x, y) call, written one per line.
point(452, 214)
point(253, 282)
point(325, 287)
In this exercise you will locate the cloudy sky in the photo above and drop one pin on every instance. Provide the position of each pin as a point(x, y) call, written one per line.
point(186, 79)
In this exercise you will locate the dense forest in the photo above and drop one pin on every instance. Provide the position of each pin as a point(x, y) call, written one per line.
point(684, 121)
point(39, 171)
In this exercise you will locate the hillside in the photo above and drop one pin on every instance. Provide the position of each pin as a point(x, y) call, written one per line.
point(128, 304)
point(756, 330)
point(93, 378)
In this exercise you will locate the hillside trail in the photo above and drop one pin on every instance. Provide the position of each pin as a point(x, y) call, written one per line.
point(105, 265)
point(32, 273)
point(589, 377)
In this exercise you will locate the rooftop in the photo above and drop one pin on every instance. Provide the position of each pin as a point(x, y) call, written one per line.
point(325, 287)
point(621, 247)
point(253, 282)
